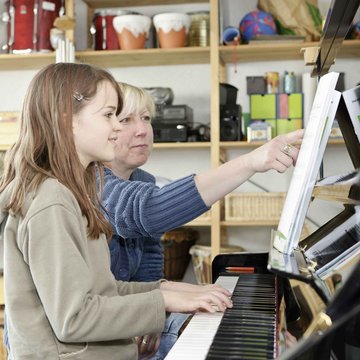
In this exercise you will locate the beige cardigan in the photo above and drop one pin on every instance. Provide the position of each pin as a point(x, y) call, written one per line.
point(62, 301)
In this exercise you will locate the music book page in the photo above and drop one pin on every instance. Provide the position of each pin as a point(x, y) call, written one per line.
point(308, 163)
point(352, 101)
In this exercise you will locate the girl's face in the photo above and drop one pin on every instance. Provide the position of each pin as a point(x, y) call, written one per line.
point(93, 126)
point(134, 141)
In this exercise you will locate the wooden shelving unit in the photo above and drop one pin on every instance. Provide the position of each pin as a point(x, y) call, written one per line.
point(216, 56)
point(177, 56)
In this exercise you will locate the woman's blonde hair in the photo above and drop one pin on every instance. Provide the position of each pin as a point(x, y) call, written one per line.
point(45, 147)
point(136, 99)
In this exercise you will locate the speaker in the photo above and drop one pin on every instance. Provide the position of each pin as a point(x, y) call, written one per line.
point(230, 122)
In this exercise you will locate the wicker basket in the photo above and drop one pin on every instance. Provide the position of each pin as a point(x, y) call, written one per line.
point(254, 207)
point(201, 260)
point(176, 244)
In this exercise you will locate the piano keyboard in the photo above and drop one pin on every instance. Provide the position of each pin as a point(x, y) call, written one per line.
point(247, 331)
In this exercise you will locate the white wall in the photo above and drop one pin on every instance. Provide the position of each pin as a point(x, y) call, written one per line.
point(191, 85)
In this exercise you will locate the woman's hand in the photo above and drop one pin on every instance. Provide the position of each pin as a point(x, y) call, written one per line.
point(278, 154)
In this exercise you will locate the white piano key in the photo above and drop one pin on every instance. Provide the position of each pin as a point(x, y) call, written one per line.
point(195, 341)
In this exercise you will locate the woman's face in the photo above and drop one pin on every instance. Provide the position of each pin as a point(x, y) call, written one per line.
point(93, 126)
point(134, 141)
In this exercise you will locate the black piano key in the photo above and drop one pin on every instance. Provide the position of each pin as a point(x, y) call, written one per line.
point(247, 331)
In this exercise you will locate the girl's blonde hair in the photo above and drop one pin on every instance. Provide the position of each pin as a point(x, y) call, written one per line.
point(45, 147)
point(136, 99)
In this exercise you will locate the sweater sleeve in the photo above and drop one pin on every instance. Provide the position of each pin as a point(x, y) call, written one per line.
point(137, 209)
point(78, 307)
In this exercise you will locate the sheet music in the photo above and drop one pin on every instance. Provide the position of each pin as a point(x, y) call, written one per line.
point(352, 101)
point(337, 247)
point(308, 163)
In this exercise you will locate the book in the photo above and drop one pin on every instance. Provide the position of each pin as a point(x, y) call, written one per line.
point(339, 245)
point(312, 149)
point(352, 101)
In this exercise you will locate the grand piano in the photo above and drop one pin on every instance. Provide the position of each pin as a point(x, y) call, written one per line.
point(262, 284)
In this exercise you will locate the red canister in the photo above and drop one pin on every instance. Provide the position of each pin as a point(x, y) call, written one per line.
point(29, 24)
point(102, 29)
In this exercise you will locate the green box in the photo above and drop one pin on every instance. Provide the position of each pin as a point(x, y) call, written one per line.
point(263, 107)
point(285, 126)
point(295, 106)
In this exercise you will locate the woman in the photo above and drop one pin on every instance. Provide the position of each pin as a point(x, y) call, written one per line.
point(140, 212)
point(61, 298)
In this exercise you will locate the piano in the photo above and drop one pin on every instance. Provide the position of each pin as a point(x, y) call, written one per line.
point(265, 302)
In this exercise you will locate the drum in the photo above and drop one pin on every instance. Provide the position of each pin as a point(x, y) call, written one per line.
point(47, 12)
point(105, 36)
point(29, 24)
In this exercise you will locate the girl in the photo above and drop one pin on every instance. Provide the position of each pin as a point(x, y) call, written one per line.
point(61, 298)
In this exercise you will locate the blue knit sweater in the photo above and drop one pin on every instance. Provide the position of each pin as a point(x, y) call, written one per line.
point(140, 212)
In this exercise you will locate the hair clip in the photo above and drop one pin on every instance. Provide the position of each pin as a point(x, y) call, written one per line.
point(77, 96)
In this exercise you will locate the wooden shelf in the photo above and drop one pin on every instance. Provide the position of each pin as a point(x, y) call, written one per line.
point(26, 62)
point(196, 223)
point(176, 56)
point(245, 144)
point(182, 145)
point(122, 3)
point(284, 51)
point(145, 57)
point(248, 223)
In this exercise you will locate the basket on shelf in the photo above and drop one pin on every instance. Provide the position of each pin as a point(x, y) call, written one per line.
point(201, 260)
point(176, 244)
point(252, 207)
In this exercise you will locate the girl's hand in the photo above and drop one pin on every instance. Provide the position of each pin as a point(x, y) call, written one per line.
point(181, 286)
point(191, 302)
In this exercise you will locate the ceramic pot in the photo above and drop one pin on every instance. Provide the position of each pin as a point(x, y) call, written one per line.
point(132, 31)
point(172, 29)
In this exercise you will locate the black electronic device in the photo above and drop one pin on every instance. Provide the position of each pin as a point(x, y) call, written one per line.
point(230, 122)
point(174, 115)
point(172, 123)
point(170, 132)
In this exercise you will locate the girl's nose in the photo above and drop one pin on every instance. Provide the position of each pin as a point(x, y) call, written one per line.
point(115, 123)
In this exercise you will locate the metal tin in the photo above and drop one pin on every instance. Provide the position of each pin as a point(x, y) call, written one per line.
point(289, 82)
point(199, 32)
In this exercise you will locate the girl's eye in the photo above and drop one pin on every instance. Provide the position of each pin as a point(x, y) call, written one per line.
point(147, 118)
point(124, 120)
